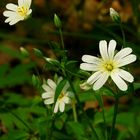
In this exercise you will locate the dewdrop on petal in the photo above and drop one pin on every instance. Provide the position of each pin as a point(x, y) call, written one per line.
point(114, 15)
point(16, 13)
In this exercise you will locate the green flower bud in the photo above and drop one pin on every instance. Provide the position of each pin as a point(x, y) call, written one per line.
point(35, 80)
point(24, 52)
point(57, 21)
point(38, 52)
point(114, 15)
point(52, 61)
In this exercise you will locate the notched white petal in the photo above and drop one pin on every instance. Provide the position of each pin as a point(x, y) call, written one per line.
point(101, 81)
point(103, 49)
point(122, 53)
point(12, 7)
point(61, 106)
point(56, 107)
point(49, 101)
point(119, 81)
point(94, 77)
point(126, 60)
point(47, 95)
point(111, 48)
point(91, 59)
point(126, 75)
point(88, 67)
point(51, 83)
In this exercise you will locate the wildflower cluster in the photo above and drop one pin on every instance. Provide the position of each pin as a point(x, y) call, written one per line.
point(106, 69)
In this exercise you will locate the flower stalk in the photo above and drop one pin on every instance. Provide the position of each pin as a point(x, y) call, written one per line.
point(114, 117)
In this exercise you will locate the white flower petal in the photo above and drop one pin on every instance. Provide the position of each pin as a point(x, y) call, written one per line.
point(47, 88)
point(122, 53)
point(91, 59)
point(56, 107)
point(61, 106)
point(126, 75)
point(66, 100)
point(101, 81)
point(24, 3)
point(29, 12)
point(126, 60)
point(103, 49)
point(118, 81)
point(51, 83)
point(111, 48)
point(12, 7)
point(88, 67)
point(47, 95)
point(49, 101)
point(94, 77)
point(9, 13)
point(14, 21)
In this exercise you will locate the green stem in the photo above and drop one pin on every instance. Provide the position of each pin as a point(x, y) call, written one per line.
point(85, 115)
point(114, 117)
point(74, 112)
point(61, 38)
point(73, 89)
point(123, 35)
point(103, 112)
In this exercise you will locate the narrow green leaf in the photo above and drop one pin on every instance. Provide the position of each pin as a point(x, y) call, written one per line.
point(59, 89)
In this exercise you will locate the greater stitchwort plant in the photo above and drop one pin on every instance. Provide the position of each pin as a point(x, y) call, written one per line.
point(61, 110)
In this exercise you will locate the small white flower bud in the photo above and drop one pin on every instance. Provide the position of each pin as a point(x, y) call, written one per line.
point(57, 21)
point(114, 15)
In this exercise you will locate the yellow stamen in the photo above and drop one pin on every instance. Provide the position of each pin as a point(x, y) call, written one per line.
point(61, 96)
point(22, 11)
point(109, 66)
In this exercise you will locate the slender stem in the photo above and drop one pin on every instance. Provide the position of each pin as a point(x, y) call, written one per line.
point(114, 117)
point(123, 34)
point(85, 115)
point(73, 89)
point(103, 112)
point(51, 127)
point(61, 38)
point(74, 112)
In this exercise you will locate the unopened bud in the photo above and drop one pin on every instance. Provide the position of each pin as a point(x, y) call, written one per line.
point(52, 61)
point(57, 21)
point(85, 86)
point(35, 80)
point(114, 15)
point(24, 52)
point(38, 52)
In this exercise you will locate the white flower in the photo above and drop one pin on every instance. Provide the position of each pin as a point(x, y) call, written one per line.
point(15, 13)
point(109, 66)
point(49, 95)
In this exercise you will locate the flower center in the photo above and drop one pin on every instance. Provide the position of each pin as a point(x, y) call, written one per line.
point(61, 96)
point(22, 11)
point(109, 66)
